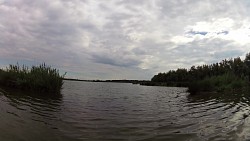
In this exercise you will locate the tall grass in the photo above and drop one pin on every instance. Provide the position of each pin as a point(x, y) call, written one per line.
point(41, 78)
point(225, 82)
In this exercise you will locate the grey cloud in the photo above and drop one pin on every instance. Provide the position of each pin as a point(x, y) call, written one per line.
point(116, 61)
point(191, 9)
point(223, 32)
point(139, 51)
point(228, 54)
point(97, 39)
point(204, 51)
point(194, 32)
point(197, 32)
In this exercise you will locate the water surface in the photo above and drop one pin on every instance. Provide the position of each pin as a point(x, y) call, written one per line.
point(118, 111)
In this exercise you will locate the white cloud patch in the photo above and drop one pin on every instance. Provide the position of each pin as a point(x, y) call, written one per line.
point(125, 39)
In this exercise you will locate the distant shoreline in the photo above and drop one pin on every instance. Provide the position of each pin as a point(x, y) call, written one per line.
point(113, 81)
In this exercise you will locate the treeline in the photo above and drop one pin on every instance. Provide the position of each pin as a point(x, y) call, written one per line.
point(232, 69)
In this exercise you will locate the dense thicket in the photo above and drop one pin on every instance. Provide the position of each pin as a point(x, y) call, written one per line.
point(235, 70)
point(40, 78)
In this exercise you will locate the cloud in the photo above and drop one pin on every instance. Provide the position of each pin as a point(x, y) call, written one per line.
point(197, 32)
point(124, 39)
point(115, 60)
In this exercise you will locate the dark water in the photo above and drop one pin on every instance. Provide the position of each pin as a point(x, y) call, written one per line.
point(113, 111)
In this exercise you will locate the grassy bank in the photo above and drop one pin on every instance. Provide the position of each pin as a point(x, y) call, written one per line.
point(227, 75)
point(223, 83)
point(40, 78)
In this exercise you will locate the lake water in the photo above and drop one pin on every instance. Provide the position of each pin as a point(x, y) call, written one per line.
point(118, 111)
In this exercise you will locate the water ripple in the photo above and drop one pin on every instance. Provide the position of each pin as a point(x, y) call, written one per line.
point(111, 111)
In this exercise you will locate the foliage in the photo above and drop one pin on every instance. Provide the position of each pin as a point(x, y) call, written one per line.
point(39, 78)
point(225, 75)
point(225, 82)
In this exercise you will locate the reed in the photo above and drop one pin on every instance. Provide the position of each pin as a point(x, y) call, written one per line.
point(42, 78)
point(222, 83)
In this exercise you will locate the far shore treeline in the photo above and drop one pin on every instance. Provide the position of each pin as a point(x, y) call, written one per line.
point(41, 78)
point(227, 75)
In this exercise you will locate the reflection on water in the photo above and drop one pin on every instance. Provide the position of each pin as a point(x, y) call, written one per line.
point(24, 116)
point(227, 115)
point(114, 111)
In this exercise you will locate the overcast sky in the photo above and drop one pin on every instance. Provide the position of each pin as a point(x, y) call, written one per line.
point(122, 39)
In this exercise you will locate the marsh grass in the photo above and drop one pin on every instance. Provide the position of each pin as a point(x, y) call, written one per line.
point(40, 78)
point(221, 83)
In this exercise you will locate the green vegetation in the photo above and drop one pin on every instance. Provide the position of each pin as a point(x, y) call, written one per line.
point(227, 75)
point(226, 82)
point(40, 78)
